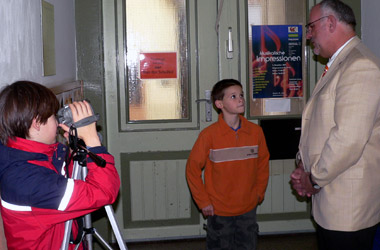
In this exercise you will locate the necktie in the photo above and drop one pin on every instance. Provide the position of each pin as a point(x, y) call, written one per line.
point(324, 72)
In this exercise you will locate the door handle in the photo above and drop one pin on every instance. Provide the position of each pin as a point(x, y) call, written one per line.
point(208, 105)
point(229, 45)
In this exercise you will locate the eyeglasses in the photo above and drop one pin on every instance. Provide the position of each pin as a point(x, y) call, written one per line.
point(310, 25)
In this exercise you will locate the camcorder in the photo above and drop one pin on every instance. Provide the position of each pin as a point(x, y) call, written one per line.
point(65, 116)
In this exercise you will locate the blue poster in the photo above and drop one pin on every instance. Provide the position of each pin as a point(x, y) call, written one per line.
point(277, 61)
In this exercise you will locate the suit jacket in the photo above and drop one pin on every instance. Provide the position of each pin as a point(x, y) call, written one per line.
point(340, 141)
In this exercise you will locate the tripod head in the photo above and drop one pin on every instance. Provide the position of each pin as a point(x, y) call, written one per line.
point(79, 147)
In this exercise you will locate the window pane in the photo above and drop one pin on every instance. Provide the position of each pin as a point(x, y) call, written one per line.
point(157, 80)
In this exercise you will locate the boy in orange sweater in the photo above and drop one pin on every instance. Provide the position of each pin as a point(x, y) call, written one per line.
point(235, 159)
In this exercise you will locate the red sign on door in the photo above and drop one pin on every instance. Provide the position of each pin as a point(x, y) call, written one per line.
point(158, 65)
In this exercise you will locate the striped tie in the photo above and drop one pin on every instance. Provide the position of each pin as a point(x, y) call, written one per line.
point(324, 72)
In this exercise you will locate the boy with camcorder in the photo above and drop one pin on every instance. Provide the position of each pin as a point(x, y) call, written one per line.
point(37, 195)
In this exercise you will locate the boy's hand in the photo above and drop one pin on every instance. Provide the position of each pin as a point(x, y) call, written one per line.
point(208, 211)
point(88, 133)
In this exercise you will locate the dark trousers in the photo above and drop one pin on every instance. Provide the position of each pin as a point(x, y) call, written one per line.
point(232, 232)
point(339, 240)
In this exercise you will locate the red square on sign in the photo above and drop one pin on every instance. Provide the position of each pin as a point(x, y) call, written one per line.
point(158, 65)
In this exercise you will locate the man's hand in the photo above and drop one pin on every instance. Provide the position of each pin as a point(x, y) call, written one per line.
point(301, 182)
point(208, 211)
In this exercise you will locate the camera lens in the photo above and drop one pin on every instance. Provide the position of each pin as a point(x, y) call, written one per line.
point(65, 116)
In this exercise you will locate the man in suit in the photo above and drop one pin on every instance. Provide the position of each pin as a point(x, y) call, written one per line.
point(338, 163)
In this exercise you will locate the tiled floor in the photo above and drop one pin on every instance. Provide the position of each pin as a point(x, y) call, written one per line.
point(305, 241)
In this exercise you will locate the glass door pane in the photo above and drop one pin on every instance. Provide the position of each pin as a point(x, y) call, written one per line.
point(157, 61)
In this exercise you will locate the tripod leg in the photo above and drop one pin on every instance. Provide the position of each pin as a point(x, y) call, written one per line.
point(88, 225)
point(102, 240)
point(66, 237)
point(88, 236)
point(68, 224)
point(115, 227)
point(89, 232)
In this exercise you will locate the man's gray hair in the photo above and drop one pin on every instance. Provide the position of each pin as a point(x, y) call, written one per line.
point(341, 11)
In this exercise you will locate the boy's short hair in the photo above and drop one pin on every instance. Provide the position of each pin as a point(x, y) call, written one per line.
point(217, 92)
point(20, 103)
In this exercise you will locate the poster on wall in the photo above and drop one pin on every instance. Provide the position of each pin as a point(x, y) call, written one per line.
point(277, 61)
point(158, 65)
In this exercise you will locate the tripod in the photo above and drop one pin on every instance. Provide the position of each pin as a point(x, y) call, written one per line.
point(89, 231)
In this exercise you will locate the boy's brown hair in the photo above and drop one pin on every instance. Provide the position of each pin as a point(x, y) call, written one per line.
point(217, 92)
point(20, 103)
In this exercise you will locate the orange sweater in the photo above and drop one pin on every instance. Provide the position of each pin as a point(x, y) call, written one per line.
point(236, 168)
